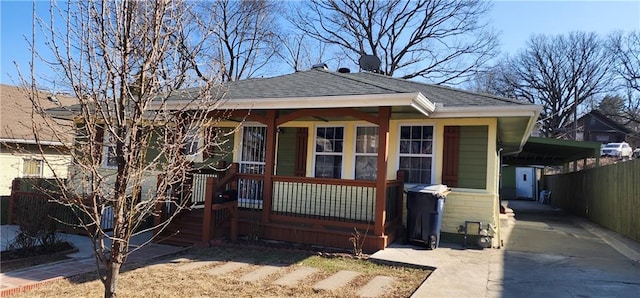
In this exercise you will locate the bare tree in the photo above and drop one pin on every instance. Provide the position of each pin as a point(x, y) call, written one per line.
point(559, 73)
point(491, 81)
point(244, 35)
point(297, 52)
point(442, 41)
point(625, 48)
point(122, 61)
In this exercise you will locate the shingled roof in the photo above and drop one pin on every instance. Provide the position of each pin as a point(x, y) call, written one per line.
point(16, 125)
point(320, 83)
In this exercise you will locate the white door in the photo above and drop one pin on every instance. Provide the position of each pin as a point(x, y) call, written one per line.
point(525, 183)
point(252, 161)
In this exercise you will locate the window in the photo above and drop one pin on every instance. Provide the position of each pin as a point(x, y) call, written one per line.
point(192, 142)
point(416, 153)
point(31, 167)
point(328, 152)
point(366, 167)
point(109, 152)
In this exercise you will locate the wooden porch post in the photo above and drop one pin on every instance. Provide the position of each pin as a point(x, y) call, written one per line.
point(208, 202)
point(269, 166)
point(384, 114)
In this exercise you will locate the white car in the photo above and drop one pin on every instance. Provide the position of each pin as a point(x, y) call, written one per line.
point(619, 150)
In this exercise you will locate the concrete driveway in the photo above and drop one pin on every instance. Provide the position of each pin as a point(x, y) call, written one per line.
point(546, 254)
point(551, 254)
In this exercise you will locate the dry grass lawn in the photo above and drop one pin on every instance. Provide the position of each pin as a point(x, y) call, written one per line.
point(163, 279)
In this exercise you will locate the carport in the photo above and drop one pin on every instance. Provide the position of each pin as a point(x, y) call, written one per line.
point(553, 152)
point(537, 153)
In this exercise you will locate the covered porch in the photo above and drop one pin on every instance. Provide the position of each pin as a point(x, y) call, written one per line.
point(280, 201)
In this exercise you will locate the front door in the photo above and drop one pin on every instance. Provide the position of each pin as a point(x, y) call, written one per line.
point(252, 161)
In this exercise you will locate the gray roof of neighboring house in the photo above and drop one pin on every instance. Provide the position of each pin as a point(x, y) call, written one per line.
point(319, 82)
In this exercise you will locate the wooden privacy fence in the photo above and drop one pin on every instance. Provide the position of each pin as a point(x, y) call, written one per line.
point(33, 200)
point(607, 195)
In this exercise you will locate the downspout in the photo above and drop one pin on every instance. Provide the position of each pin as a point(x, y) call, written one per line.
point(498, 242)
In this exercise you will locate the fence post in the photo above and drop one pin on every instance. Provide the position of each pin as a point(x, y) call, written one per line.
point(232, 171)
point(15, 187)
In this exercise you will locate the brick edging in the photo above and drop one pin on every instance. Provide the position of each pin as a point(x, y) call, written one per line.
point(28, 287)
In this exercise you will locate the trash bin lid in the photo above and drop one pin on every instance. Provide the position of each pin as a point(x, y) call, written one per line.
point(429, 188)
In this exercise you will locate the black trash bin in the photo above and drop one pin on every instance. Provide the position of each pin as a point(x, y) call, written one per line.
point(424, 213)
point(226, 196)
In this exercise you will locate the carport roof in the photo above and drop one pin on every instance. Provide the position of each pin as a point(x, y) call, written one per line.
point(552, 152)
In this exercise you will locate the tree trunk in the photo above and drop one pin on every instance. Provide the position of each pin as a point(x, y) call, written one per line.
point(110, 284)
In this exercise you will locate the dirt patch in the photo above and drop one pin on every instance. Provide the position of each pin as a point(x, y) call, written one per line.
point(12, 260)
point(164, 279)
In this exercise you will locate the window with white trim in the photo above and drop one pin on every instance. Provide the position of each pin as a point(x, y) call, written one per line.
point(366, 155)
point(31, 167)
point(328, 152)
point(416, 153)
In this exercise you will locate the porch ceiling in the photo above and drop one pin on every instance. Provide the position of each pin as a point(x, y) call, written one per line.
point(397, 112)
point(512, 133)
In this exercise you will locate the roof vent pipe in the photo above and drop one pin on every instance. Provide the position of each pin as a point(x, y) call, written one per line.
point(320, 66)
point(344, 70)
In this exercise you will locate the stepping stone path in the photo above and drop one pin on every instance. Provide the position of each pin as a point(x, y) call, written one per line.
point(194, 265)
point(227, 268)
point(376, 287)
point(260, 273)
point(338, 280)
point(292, 279)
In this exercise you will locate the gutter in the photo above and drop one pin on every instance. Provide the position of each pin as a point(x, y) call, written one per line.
point(33, 142)
point(416, 100)
point(489, 111)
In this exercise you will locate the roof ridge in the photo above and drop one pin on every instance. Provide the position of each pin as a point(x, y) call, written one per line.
point(506, 99)
point(363, 80)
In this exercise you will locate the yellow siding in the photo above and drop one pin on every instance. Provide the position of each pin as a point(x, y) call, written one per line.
point(469, 206)
point(11, 166)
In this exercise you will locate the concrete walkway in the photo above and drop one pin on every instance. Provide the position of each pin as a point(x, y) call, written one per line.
point(547, 254)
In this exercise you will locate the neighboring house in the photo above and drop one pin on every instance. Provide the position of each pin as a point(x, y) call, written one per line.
point(319, 152)
point(596, 127)
point(20, 152)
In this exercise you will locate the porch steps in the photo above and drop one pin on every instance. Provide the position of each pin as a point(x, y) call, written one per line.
point(184, 230)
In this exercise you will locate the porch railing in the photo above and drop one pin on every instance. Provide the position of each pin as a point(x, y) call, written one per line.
point(308, 202)
point(199, 189)
point(329, 199)
point(250, 191)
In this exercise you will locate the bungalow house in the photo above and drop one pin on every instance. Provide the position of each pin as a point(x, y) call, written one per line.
point(319, 153)
point(20, 154)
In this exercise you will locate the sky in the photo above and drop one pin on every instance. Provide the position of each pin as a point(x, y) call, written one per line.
point(515, 21)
